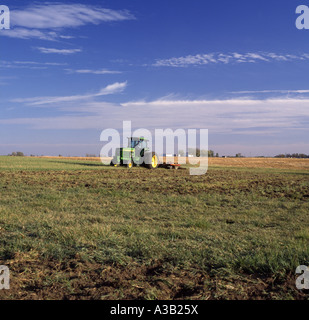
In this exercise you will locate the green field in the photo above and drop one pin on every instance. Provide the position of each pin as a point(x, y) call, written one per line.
point(72, 229)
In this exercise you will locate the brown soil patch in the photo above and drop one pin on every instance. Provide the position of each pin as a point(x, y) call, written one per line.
point(78, 280)
point(299, 164)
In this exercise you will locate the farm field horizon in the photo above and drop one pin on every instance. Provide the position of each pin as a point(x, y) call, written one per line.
point(247, 162)
point(72, 228)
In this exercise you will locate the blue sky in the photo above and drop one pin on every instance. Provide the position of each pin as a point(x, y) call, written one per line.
point(70, 69)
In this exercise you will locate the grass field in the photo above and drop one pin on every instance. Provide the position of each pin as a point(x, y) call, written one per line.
point(75, 229)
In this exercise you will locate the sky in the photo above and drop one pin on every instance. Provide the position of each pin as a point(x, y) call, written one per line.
point(70, 69)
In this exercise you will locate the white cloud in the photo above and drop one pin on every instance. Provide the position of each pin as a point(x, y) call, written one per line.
point(23, 33)
point(14, 66)
point(88, 71)
point(58, 51)
point(232, 116)
point(50, 16)
point(39, 63)
point(261, 127)
point(113, 88)
point(110, 89)
point(32, 65)
point(271, 91)
point(241, 117)
point(223, 58)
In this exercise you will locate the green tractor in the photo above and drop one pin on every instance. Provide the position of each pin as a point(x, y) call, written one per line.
point(136, 154)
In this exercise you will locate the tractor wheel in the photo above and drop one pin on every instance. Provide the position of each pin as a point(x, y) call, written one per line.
point(152, 160)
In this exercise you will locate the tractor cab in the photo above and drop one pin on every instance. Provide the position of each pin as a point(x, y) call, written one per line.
point(139, 143)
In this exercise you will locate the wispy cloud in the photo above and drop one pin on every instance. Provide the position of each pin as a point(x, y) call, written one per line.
point(88, 71)
point(51, 18)
point(110, 89)
point(226, 58)
point(229, 116)
point(24, 33)
point(278, 117)
point(29, 64)
point(271, 91)
point(58, 51)
point(48, 16)
point(40, 63)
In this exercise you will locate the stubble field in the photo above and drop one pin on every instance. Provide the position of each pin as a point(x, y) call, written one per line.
point(72, 228)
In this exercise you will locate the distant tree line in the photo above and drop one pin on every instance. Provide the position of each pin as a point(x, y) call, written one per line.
point(293, 155)
point(16, 154)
